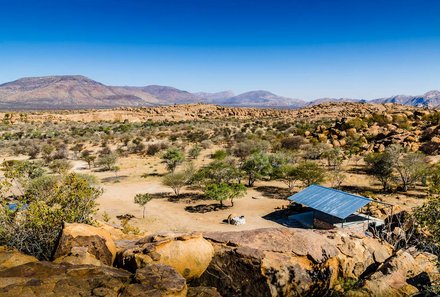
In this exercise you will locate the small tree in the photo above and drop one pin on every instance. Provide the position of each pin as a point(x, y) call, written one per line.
point(219, 171)
point(219, 192)
point(142, 200)
point(334, 157)
point(60, 166)
point(310, 173)
point(173, 157)
point(88, 157)
point(288, 174)
point(77, 148)
point(410, 168)
point(236, 191)
point(116, 169)
point(223, 191)
point(107, 161)
point(176, 181)
point(381, 166)
point(256, 167)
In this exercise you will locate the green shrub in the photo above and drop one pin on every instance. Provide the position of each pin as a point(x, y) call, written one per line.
point(35, 226)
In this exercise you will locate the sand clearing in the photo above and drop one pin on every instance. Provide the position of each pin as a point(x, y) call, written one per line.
point(165, 215)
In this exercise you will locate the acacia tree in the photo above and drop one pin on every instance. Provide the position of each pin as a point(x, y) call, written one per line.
point(410, 168)
point(176, 181)
point(142, 200)
point(88, 157)
point(288, 174)
point(236, 191)
point(107, 161)
point(334, 157)
point(381, 166)
point(220, 171)
point(256, 167)
point(310, 173)
point(223, 191)
point(173, 157)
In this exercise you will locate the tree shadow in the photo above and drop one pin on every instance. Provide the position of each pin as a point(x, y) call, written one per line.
point(357, 170)
point(113, 179)
point(360, 189)
point(272, 192)
point(187, 197)
point(183, 197)
point(145, 175)
point(204, 208)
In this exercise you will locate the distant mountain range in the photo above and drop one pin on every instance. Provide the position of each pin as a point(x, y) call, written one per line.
point(75, 91)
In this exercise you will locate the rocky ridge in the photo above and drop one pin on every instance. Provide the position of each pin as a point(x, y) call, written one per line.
point(76, 91)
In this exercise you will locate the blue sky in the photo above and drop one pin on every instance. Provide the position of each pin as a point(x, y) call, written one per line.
point(300, 48)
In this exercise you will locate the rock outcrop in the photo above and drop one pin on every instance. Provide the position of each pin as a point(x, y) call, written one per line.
point(10, 257)
point(296, 262)
point(97, 241)
point(189, 254)
point(157, 280)
point(49, 279)
point(78, 256)
point(263, 262)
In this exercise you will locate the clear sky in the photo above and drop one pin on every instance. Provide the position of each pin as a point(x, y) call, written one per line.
point(299, 48)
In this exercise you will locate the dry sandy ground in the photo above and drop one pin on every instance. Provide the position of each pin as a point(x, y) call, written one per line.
point(165, 215)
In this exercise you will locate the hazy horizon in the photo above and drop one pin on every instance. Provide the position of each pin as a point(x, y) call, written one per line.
point(297, 49)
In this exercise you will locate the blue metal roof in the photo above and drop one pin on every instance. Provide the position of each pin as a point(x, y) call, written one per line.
point(330, 201)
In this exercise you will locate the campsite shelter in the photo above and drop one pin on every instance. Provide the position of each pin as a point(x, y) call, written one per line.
point(332, 206)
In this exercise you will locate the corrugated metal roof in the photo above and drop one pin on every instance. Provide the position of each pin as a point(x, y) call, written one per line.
point(333, 202)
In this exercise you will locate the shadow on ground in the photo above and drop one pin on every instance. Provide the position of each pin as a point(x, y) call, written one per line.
point(272, 192)
point(114, 179)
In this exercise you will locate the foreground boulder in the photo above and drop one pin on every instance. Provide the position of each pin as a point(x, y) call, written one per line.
point(157, 280)
point(403, 274)
point(78, 256)
point(49, 279)
point(297, 262)
point(97, 241)
point(10, 257)
point(189, 254)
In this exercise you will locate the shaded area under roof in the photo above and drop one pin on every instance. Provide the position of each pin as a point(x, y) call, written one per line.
point(330, 201)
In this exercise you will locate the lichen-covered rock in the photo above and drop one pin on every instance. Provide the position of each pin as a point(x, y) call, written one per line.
point(297, 262)
point(10, 257)
point(393, 277)
point(49, 279)
point(203, 292)
point(189, 254)
point(156, 280)
point(97, 241)
point(79, 256)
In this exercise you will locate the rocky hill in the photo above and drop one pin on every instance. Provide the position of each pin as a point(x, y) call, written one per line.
point(75, 92)
point(261, 98)
point(430, 99)
point(66, 92)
